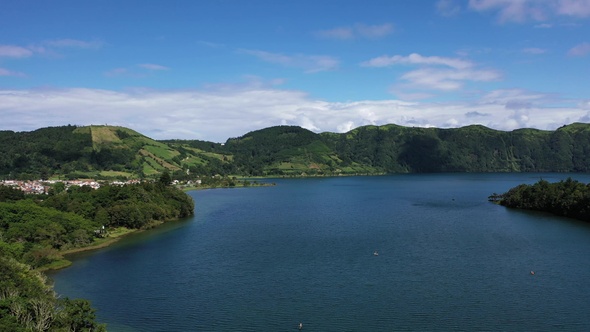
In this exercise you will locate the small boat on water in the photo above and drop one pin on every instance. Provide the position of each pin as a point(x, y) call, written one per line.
point(375, 253)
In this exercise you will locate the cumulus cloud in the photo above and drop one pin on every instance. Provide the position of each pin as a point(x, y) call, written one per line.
point(582, 49)
point(535, 10)
point(218, 113)
point(309, 63)
point(357, 31)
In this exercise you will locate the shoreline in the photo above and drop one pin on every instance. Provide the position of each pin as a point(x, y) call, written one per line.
point(63, 262)
point(238, 185)
point(120, 232)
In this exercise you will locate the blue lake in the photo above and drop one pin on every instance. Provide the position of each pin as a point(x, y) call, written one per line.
point(268, 258)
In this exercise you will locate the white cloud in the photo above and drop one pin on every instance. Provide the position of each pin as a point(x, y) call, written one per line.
point(436, 73)
point(309, 63)
point(579, 8)
point(582, 49)
point(357, 31)
point(152, 66)
point(373, 31)
point(410, 96)
point(145, 70)
point(535, 10)
point(45, 48)
point(219, 113)
point(11, 51)
point(6, 72)
point(345, 127)
point(417, 59)
point(448, 79)
point(448, 8)
point(73, 43)
point(512, 10)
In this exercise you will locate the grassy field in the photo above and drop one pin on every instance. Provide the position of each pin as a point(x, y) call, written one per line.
point(161, 151)
point(158, 163)
point(103, 135)
point(113, 174)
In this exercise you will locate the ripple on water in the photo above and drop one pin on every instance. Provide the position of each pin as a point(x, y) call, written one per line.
point(265, 259)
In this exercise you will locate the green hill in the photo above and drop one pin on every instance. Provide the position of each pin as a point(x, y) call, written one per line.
point(117, 152)
point(286, 150)
point(92, 152)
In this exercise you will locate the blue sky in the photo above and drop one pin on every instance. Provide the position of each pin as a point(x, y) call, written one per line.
point(215, 69)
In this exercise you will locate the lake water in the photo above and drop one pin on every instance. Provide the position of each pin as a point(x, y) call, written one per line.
point(268, 258)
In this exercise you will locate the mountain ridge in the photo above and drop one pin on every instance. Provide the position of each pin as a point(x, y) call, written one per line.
point(118, 152)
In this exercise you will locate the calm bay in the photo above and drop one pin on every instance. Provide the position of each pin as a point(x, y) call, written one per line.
point(268, 258)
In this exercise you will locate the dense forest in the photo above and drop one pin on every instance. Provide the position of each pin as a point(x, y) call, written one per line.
point(36, 229)
point(568, 198)
point(288, 150)
point(106, 152)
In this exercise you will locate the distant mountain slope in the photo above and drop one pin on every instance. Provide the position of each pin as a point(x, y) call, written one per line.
point(91, 151)
point(469, 149)
point(286, 150)
point(108, 151)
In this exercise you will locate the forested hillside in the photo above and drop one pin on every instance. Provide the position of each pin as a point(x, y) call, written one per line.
point(98, 152)
point(104, 152)
point(396, 149)
point(35, 231)
point(468, 149)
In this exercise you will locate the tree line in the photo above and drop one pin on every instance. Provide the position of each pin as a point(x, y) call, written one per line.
point(568, 198)
point(71, 151)
point(34, 229)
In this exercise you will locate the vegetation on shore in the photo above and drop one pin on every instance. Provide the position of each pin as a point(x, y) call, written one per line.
point(37, 230)
point(28, 303)
point(568, 198)
point(108, 152)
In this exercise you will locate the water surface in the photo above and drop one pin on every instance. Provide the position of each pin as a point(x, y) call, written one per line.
point(265, 259)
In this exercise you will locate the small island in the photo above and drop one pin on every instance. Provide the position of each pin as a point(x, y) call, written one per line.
point(568, 198)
